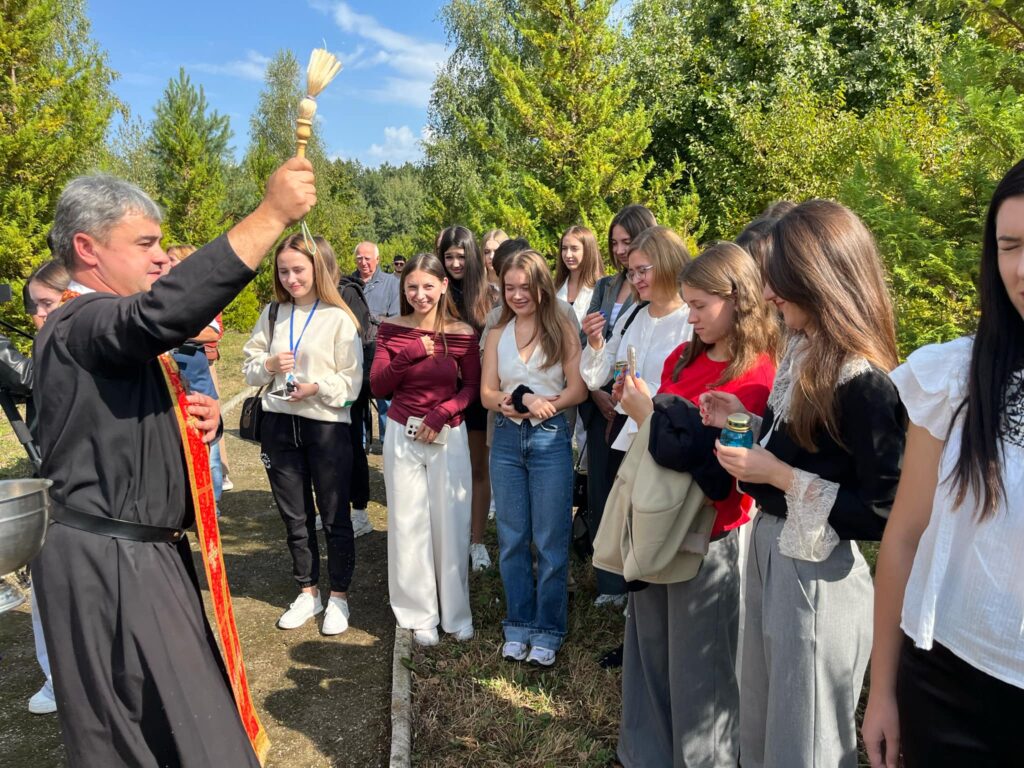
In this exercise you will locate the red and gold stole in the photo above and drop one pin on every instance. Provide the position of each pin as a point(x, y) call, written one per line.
point(197, 461)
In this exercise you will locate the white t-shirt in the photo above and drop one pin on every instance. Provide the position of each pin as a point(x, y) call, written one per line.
point(966, 587)
point(654, 338)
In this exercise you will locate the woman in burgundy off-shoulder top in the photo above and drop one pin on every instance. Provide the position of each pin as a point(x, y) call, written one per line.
point(428, 364)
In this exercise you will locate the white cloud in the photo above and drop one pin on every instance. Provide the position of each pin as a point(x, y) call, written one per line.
point(252, 67)
point(400, 146)
point(413, 63)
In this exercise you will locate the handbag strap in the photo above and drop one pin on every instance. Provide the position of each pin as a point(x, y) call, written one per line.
point(272, 317)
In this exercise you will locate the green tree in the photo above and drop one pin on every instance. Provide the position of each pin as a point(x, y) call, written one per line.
point(565, 146)
point(129, 154)
point(55, 105)
point(190, 148)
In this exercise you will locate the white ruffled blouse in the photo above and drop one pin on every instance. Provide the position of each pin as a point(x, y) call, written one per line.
point(966, 587)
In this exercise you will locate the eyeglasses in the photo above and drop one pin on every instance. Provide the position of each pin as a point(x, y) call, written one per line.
point(635, 274)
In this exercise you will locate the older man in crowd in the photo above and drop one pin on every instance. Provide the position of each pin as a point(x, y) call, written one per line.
point(381, 292)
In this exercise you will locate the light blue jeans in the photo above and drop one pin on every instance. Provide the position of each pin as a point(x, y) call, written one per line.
point(216, 473)
point(531, 467)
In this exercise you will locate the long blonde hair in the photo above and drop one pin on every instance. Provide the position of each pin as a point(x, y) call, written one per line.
point(726, 270)
point(824, 260)
point(668, 254)
point(552, 325)
point(324, 276)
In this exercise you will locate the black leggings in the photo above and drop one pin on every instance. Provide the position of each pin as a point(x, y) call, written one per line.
point(303, 456)
point(952, 714)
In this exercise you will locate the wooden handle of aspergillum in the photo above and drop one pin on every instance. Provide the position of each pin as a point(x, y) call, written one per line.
point(304, 125)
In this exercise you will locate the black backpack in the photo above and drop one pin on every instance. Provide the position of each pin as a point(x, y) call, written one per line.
point(351, 290)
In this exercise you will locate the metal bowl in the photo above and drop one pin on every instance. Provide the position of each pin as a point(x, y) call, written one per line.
point(24, 512)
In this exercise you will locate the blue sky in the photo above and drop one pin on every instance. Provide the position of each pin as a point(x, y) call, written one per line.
point(374, 111)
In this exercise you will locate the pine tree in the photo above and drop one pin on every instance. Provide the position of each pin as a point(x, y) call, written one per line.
point(55, 105)
point(190, 146)
point(561, 143)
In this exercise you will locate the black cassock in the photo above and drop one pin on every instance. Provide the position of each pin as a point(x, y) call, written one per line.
point(136, 670)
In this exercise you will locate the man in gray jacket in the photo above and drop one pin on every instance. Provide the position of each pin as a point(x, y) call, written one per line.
point(380, 290)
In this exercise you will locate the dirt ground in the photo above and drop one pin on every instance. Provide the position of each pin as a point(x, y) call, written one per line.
point(325, 701)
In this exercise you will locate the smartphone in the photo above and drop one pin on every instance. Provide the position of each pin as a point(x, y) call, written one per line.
point(412, 427)
point(631, 360)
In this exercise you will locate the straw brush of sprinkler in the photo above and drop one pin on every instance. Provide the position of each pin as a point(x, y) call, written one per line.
point(323, 67)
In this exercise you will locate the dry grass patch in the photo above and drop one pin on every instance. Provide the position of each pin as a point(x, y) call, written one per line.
point(471, 707)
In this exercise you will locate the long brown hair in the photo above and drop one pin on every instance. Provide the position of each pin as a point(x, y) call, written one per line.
point(590, 264)
point(726, 270)
point(667, 252)
point(555, 331)
point(824, 260)
point(324, 278)
point(634, 219)
point(446, 311)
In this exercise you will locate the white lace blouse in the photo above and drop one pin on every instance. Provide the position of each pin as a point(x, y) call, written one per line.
point(966, 588)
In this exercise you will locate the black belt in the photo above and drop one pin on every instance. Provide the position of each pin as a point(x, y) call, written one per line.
point(114, 528)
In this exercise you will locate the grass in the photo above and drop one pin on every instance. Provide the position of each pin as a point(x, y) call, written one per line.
point(474, 708)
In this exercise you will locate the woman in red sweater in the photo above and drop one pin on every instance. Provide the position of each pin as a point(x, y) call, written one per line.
point(680, 697)
point(428, 364)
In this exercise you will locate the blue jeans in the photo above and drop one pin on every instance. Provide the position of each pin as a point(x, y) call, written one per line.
point(382, 417)
point(216, 472)
point(532, 471)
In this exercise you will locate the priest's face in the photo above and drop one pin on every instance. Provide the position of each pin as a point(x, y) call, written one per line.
point(128, 260)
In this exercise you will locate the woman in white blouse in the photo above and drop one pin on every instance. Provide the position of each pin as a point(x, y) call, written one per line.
point(530, 376)
point(312, 358)
point(947, 665)
point(653, 329)
point(578, 270)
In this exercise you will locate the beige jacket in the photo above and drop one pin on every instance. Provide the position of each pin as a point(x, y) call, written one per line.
point(657, 522)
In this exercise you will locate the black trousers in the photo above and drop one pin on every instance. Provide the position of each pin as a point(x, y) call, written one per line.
point(360, 485)
point(952, 714)
point(305, 456)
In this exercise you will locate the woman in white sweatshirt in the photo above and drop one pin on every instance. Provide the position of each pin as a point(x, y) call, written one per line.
point(313, 358)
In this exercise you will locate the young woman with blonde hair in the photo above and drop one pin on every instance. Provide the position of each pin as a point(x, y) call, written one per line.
point(824, 475)
point(313, 360)
point(489, 243)
point(531, 375)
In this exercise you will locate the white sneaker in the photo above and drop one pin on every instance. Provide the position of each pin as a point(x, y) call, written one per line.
point(479, 558)
point(43, 701)
point(319, 522)
point(465, 634)
point(542, 657)
point(513, 651)
point(335, 616)
point(305, 607)
point(611, 601)
point(425, 637)
point(360, 523)
point(227, 485)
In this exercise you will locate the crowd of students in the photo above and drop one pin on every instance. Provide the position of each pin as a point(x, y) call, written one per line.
point(748, 641)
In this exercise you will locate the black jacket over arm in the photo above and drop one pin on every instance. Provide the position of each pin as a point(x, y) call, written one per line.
point(872, 426)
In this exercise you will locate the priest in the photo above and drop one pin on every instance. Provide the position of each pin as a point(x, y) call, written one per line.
point(139, 678)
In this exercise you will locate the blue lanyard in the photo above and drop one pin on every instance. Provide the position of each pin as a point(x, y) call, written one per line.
point(291, 327)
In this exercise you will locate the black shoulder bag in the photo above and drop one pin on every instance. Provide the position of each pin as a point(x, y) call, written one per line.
point(251, 420)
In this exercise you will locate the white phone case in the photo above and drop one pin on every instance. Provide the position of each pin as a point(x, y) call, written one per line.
point(412, 426)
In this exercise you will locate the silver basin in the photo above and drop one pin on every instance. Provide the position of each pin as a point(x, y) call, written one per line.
point(24, 512)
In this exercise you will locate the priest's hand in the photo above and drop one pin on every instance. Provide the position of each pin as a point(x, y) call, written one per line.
point(291, 191)
point(206, 411)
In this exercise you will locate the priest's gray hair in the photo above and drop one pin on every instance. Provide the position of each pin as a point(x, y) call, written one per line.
point(94, 205)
